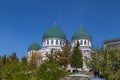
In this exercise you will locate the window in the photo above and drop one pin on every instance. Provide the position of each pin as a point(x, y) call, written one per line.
point(43, 43)
point(81, 42)
point(51, 41)
point(47, 42)
point(77, 42)
point(85, 42)
point(56, 42)
point(60, 42)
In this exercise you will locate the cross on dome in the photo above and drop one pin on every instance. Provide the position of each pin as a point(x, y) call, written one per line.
point(55, 25)
point(81, 26)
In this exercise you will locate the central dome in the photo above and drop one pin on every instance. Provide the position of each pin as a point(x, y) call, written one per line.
point(54, 32)
point(81, 34)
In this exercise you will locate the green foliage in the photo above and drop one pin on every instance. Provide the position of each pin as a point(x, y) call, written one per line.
point(33, 63)
point(76, 58)
point(107, 62)
point(13, 69)
point(65, 55)
point(24, 60)
point(50, 71)
point(13, 57)
point(60, 57)
point(4, 60)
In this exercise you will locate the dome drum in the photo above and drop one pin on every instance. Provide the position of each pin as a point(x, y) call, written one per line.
point(82, 42)
point(82, 37)
point(53, 42)
point(54, 36)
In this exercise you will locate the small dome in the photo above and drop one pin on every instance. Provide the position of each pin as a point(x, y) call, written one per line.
point(34, 46)
point(81, 34)
point(54, 32)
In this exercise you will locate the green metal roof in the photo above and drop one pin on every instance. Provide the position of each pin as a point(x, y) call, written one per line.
point(81, 34)
point(54, 32)
point(34, 46)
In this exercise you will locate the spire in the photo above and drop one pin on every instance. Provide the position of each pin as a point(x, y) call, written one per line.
point(81, 26)
point(54, 23)
point(35, 40)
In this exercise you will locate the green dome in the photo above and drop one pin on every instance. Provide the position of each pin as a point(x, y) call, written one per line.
point(34, 46)
point(54, 32)
point(81, 34)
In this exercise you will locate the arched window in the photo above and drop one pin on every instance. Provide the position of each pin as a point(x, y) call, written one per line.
point(47, 42)
point(85, 42)
point(77, 42)
point(43, 43)
point(56, 42)
point(81, 42)
point(51, 41)
point(73, 43)
point(60, 42)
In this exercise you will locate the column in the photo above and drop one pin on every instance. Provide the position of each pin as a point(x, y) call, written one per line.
point(83, 42)
point(46, 42)
point(54, 41)
point(59, 42)
point(49, 42)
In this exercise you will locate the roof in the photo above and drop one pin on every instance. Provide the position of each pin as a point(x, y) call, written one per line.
point(81, 34)
point(34, 46)
point(54, 32)
point(111, 40)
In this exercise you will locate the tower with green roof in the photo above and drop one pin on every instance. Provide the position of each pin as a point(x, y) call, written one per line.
point(84, 39)
point(33, 49)
point(54, 37)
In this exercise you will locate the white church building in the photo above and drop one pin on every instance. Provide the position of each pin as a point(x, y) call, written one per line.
point(54, 38)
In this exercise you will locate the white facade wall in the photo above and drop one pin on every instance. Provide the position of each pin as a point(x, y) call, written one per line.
point(85, 48)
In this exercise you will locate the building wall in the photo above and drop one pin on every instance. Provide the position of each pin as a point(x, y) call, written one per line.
point(55, 43)
point(112, 44)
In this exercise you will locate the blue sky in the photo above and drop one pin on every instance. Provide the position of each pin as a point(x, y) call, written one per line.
point(25, 21)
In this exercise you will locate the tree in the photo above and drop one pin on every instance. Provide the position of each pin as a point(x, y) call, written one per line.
point(14, 71)
point(4, 60)
point(13, 57)
point(35, 60)
point(52, 57)
point(24, 60)
point(76, 58)
point(65, 54)
point(50, 71)
point(107, 62)
point(60, 57)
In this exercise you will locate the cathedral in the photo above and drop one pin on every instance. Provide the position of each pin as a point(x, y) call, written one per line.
point(54, 38)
